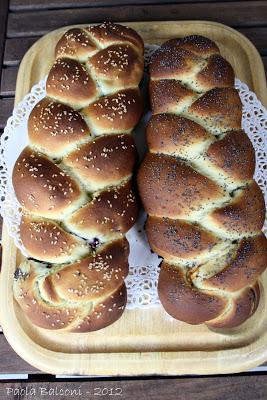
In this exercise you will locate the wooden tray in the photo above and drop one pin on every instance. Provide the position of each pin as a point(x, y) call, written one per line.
point(141, 342)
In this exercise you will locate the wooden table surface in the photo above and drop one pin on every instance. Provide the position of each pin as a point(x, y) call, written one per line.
point(22, 22)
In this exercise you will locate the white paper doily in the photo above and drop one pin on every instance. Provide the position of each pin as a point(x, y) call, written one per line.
point(144, 264)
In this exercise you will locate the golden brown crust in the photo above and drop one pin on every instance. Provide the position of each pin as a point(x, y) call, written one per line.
point(109, 33)
point(77, 44)
point(43, 188)
point(95, 277)
point(47, 317)
point(39, 312)
point(119, 112)
point(105, 313)
point(73, 184)
point(242, 307)
point(169, 64)
point(184, 302)
point(217, 73)
point(168, 95)
point(43, 294)
point(220, 109)
point(117, 66)
point(205, 210)
point(173, 134)
point(233, 155)
point(176, 238)
point(161, 179)
point(243, 269)
point(109, 215)
point(55, 128)
point(199, 45)
point(179, 59)
point(46, 240)
point(104, 161)
point(244, 215)
point(69, 82)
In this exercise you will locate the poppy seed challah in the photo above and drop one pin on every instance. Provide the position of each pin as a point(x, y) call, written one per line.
point(205, 211)
point(73, 181)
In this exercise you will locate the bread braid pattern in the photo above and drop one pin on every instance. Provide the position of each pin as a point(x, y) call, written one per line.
point(205, 211)
point(74, 181)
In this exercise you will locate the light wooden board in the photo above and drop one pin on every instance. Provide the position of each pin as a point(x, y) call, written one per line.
point(141, 342)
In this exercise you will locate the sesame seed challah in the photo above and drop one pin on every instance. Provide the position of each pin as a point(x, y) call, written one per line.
point(74, 181)
point(205, 211)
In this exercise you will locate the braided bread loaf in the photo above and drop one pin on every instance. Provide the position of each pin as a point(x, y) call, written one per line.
point(205, 210)
point(74, 184)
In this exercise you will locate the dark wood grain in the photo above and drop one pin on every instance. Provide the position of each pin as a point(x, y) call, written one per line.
point(16, 48)
point(6, 107)
point(11, 363)
point(245, 13)
point(258, 36)
point(18, 5)
point(8, 81)
point(3, 23)
point(202, 388)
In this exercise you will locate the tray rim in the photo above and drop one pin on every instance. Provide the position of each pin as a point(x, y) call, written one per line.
point(117, 364)
point(261, 90)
